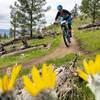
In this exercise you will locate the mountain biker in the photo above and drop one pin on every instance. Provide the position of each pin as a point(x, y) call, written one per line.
point(64, 15)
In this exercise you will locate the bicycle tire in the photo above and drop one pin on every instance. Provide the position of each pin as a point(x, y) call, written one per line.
point(65, 38)
point(68, 38)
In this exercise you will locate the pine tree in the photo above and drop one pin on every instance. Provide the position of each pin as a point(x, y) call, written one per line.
point(14, 20)
point(75, 11)
point(30, 13)
point(91, 8)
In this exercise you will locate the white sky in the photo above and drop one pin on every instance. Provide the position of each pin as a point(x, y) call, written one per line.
point(50, 15)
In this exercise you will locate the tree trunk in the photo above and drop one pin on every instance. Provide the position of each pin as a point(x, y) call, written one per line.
point(31, 22)
point(94, 14)
point(14, 32)
point(31, 26)
point(93, 20)
point(31, 31)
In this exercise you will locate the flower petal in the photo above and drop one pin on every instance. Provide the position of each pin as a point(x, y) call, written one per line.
point(35, 75)
point(86, 66)
point(29, 86)
point(14, 74)
point(92, 67)
point(0, 84)
point(83, 75)
point(51, 76)
point(40, 83)
point(44, 71)
point(97, 63)
point(44, 74)
point(5, 82)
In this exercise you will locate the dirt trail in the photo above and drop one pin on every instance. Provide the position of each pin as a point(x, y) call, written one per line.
point(61, 51)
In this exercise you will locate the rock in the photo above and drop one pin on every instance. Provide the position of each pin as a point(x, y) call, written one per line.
point(23, 95)
point(47, 95)
point(7, 96)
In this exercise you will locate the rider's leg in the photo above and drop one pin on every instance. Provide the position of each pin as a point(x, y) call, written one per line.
point(70, 29)
point(61, 19)
point(69, 20)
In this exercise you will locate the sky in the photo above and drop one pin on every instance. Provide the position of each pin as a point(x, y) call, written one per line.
point(50, 15)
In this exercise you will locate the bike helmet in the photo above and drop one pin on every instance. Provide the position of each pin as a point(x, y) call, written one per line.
point(59, 7)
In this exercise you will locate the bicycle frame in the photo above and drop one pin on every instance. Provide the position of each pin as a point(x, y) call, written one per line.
point(64, 27)
point(66, 37)
point(65, 31)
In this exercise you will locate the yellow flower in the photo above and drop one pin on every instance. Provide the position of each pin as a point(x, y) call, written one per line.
point(7, 84)
point(90, 68)
point(40, 82)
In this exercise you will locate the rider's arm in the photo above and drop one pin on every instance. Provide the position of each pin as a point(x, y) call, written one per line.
point(58, 14)
point(67, 12)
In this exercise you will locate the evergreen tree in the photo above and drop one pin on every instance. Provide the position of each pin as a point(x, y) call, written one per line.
point(30, 13)
point(14, 20)
point(91, 8)
point(75, 11)
point(11, 32)
point(5, 35)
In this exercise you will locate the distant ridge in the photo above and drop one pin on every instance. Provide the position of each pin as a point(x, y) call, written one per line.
point(4, 31)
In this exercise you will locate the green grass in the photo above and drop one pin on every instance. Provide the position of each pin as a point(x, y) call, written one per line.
point(25, 71)
point(5, 40)
point(88, 40)
point(61, 61)
point(10, 60)
point(66, 60)
point(84, 91)
point(32, 42)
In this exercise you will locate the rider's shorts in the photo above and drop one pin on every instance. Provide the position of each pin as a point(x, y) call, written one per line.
point(68, 19)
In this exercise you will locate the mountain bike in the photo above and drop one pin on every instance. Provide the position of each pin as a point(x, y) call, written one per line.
point(65, 31)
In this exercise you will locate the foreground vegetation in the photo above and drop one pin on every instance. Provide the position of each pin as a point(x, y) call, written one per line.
point(83, 92)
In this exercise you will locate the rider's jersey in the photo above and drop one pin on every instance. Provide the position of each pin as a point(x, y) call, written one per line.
point(63, 13)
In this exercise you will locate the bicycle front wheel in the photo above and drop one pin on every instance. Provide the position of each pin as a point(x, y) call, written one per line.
point(66, 39)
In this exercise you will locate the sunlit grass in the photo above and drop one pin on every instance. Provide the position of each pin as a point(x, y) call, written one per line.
point(18, 58)
point(88, 40)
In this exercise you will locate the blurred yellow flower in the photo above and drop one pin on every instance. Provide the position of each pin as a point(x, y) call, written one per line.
point(90, 68)
point(40, 82)
point(6, 83)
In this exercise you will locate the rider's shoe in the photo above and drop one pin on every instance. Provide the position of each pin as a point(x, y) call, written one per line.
point(70, 41)
point(70, 34)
